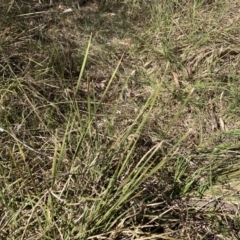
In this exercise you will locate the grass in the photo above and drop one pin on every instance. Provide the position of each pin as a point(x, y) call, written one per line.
point(119, 120)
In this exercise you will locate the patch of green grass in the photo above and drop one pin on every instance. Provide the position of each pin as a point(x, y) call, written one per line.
point(119, 120)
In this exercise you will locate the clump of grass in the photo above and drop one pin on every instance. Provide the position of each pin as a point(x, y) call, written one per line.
point(119, 120)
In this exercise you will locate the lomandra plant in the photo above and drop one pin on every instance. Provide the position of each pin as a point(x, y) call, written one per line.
point(118, 187)
point(106, 213)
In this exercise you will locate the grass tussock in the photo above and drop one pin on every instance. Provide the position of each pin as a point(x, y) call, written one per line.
point(119, 119)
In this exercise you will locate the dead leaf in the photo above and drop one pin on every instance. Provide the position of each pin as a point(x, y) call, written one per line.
point(175, 78)
point(222, 124)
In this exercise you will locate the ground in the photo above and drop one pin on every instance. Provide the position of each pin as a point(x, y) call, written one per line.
point(119, 119)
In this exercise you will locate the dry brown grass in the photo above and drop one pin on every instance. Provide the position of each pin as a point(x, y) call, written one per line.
point(141, 141)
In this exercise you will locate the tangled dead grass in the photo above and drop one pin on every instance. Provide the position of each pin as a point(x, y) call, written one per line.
point(119, 120)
